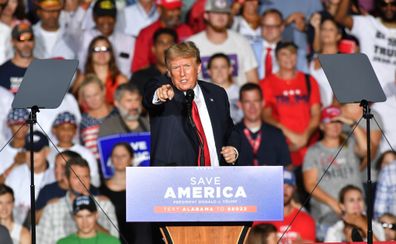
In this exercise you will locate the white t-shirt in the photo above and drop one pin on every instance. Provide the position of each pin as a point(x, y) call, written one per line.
point(86, 154)
point(50, 38)
point(7, 157)
point(19, 181)
point(241, 26)
point(233, 98)
point(387, 110)
point(5, 43)
point(336, 232)
point(236, 47)
point(379, 44)
point(6, 99)
point(326, 93)
point(134, 18)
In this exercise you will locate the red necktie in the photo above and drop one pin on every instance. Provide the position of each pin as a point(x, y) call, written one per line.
point(268, 62)
point(202, 138)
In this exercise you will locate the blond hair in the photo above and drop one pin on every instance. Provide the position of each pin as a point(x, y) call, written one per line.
point(182, 50)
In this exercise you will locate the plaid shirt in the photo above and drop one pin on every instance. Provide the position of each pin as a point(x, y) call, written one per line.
point(57, 220)
point(385, 199)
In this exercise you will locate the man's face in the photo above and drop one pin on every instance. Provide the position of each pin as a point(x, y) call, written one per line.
point(272, 28)
point(93, 96)
point(130, 105)
point(65, 132)
point(217, 21)
point(105, 24)
point(388, 10)
point(60, 167)
point(163, 42)
point(288, 191)
point(86, 221)
point(22, 130)
point(23, 48)
point(6, 206)
point(40, 158)
point(287, 59)
point(251, 104)
point(84, 175)
point(49, 18)
point(220, 71)
point(170, 17)
point(184, 72)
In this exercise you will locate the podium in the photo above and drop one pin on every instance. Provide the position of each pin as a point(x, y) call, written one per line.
point(204, 204)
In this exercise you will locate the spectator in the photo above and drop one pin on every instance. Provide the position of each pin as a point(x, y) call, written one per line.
point(19, 234)
point(51, 39)
point(351, 202)
point(5, 36)
point(295, 13)
point(263, 234)
point(65, 128)
point(329, 37)
point(220, 72)
point(216, 38)
point(195, 16)
point(105, 16)
point(57, 222)
point(85, 215)
point(13, 13)
point(163, 38)
point(13, 154)
point(303, 227)
point(261, 143)
point(247, 22)
point(138, 16)
point(19, 178)
point(59, 188)
point(385, 159)
point(128, 102)
point(292, 102)
point(101, 62)
point(343, 171)
point(115, 189)
point(12, 71)
point(385, 198)
point(92, 98)
point(388, 222)
point(170, 11)
point(376, 36)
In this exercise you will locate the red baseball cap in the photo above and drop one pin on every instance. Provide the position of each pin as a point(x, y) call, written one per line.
point(170, 4)
point(329, 113)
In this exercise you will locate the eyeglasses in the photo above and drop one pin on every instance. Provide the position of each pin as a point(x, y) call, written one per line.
point(388, 226)
point(101, 49)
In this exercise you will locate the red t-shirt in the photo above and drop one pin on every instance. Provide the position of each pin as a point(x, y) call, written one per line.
point(143, 56)
point(303, 226)
point(290, 104)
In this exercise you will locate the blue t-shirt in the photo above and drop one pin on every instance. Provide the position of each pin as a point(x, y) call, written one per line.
point(11, 76)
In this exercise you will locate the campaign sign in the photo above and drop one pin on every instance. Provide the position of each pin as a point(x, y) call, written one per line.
point(140, 143)
point(204, 194)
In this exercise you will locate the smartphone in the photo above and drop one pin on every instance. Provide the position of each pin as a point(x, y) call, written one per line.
point(347, 46)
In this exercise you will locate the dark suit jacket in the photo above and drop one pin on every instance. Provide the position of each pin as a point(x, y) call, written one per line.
point(173, 142)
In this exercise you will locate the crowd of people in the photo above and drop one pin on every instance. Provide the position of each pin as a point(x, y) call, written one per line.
point(264, 54)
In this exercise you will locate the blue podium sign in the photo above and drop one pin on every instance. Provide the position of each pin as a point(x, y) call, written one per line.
point(204, 194)
point(140, 143)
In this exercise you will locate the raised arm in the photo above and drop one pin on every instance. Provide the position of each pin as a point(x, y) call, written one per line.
point(342, 16)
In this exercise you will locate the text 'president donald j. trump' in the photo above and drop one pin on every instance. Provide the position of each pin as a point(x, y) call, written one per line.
point(190, 119)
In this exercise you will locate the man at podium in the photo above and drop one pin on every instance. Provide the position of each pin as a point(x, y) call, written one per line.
point(189, 118)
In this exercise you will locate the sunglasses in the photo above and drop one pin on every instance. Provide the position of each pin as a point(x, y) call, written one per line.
point(388, 226)
point(101, 49)
point(25, 37)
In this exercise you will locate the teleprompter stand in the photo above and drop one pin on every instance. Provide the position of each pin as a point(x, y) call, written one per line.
point(353, 80)
point(43, 87)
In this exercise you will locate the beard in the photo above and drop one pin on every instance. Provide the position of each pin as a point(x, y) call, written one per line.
point(25, 53)
point(125, 114)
